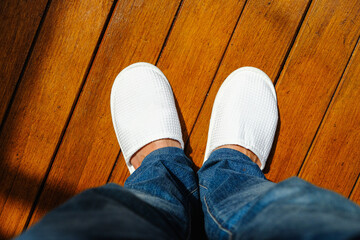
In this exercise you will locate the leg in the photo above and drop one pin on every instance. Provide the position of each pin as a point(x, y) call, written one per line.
point(239, 203)
point(107, 212)
point(161, 196)
point(166, 181)
point(145, 117)
point(158, 201)
point(237, 200)
point(164, 178)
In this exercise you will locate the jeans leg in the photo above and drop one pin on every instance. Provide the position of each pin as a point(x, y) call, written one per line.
point(239, 203)
point(156, 203)
point(167, 181)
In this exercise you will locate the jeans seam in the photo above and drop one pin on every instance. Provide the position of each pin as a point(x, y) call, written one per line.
point(203, 186)
point(216, 222)
point(189, 231)
point(192, 191)
point(189, 212)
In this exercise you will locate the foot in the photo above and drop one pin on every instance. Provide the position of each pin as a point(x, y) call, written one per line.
point(143, 111)
point(245, 151)
point(139, 156)
point(244, 114)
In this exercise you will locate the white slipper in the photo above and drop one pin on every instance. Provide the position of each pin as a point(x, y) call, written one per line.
point(244, 113)
point(143, 109)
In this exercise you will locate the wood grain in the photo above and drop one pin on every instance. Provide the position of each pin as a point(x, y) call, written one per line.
point(261, 39)
point(43, 102)
point(334, 158)
point(310, 76)
point(136, 32)
point(19, 21)
point(192, 55)
point(196, 59)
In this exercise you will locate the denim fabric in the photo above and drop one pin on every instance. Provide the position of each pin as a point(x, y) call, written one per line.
point(158, 201)
point(167, 181)
point(239, 203)
point(161, 200)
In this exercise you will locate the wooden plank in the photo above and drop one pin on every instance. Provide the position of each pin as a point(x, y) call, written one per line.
point(19, 21)
point(191, 56)
point(96, 122)
point(310, 76)
point(43, 101)
point(262, 39)
point(86, 156)
point(355, 195)
point(334, 158)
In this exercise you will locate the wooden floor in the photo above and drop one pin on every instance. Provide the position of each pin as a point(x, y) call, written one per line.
point(58, 60)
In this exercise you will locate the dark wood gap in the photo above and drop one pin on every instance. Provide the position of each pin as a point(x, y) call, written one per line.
point(169, 32)
point(213, 79)
point(25, 64)
point(156, 62)
point(292, 42)
point(114, 165)
point(353, 188)
point(329, 104)
point(279, 72)
point(110, 14)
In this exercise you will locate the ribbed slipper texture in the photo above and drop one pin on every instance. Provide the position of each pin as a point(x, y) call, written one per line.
point(245, 113)
point(143, 109)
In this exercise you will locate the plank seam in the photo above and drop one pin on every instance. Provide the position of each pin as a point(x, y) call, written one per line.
point(7, 111)
point(282, 65)
point(353, 188)
point(215, 74)
point(156, 62)
point(113, 167)
point(169, 31)
point(328, 107)
point(23, 72)
point(70, 114)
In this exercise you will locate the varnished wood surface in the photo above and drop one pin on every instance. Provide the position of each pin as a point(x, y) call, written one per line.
point(42, 103)
point(333, 160)
point(57, 138)
point(135, 32)
point(307, 83)
point(262, 39)
point(201, 31)
point(19, 21)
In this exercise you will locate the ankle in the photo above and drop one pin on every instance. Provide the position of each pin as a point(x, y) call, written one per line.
point(139, 156)
point(243, 150)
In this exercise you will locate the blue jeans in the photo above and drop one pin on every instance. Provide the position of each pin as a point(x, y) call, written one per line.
point(228, 198)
